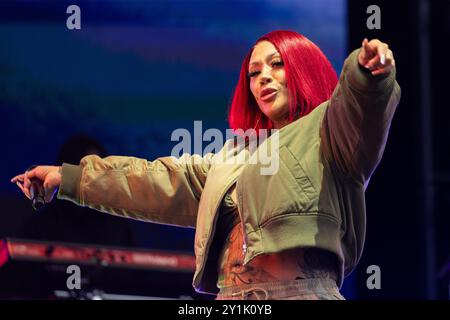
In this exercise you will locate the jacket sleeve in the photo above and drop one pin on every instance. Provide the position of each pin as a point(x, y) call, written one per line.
point(166, 190)
point(356, 122)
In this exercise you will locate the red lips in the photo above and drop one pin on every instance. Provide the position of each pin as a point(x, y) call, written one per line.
point(266, 91)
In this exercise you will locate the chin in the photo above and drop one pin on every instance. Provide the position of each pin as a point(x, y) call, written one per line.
point(276, 114)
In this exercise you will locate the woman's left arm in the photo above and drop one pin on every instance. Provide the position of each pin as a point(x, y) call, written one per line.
point(356, 123)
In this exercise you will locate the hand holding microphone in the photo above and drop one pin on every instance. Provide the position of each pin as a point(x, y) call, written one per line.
point(39, 184)
point(37, 192)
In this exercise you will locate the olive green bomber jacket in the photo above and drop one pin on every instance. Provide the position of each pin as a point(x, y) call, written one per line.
point(314, 199)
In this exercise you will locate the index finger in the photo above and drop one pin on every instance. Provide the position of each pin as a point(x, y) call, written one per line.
point(366, 45)
point(19, 177)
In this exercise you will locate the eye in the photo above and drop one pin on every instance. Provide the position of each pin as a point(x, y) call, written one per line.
point(252, 74)
point(277, 63)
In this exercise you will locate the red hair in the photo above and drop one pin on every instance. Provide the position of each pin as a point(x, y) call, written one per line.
point(310, 80)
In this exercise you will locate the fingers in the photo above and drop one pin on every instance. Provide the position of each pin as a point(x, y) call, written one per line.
point(390, 58)
point(382, 58)
point(28, 176)
point(19, 177)
point(19, 180)
point(365, 53)
point(36, 172)
point(382, 70)
point(26, 180)
point(366, 46)
point(25, 191)
point(49, 193)
point(374, 63)
point(381, 50)
point(379, 58)
point(23, 181)
point(379, 68)
point(49, 176)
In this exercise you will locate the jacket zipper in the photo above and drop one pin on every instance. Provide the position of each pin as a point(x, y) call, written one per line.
point(213, 229)
point(241, 216)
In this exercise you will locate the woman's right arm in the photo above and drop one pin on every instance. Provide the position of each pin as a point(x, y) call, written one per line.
point(166, 190)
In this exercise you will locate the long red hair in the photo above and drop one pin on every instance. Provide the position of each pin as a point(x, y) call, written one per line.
point(310, 80)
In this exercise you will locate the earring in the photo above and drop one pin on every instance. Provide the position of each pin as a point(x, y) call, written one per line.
point(257, 122)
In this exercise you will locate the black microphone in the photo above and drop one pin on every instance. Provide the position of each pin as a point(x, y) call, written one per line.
point(37, 192)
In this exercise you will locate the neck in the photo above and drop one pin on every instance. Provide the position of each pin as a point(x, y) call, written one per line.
point(280, 124)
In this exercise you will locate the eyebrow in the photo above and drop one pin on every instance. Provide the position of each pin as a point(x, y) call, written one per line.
point(269, 56)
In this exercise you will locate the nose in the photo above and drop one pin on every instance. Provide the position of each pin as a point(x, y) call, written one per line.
point(266, 76)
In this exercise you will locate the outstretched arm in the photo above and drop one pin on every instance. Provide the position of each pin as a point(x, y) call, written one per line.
point(166, 190)
point(356, 123)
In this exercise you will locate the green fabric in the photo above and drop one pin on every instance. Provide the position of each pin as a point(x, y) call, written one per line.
point(70, 185)
point(315, 198)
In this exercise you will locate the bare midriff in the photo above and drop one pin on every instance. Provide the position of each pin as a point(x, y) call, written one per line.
point(292, 264)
